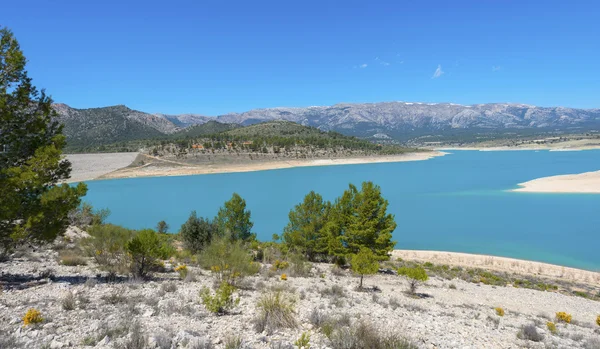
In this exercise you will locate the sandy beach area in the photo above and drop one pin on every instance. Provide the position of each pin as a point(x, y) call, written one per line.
point(177, 169)
point(91, 166)
point(503, 264)
point(588, 182)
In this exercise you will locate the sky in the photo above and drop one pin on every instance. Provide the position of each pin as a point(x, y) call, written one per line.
point(215, 57)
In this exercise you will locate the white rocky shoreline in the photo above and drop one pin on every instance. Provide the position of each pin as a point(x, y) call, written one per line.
point(453, 314)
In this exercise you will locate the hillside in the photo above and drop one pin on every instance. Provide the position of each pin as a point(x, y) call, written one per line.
point(411, 123)
point(208, 128)
point(101, 126)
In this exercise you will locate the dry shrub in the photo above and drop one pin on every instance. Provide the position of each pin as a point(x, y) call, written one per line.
point(71, 258)
point(364, 335)
point(275, 310)
point(530, 333)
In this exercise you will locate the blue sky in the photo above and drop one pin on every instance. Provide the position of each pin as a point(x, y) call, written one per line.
point(213, 57)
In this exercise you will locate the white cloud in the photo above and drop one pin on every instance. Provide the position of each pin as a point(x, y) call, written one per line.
point(438, 72)
point(382, 62)
point(496, 68)
point(364, 65)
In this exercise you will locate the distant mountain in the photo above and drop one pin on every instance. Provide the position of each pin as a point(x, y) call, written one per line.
point(401, 119)
point(207, 128)
point(386, 120)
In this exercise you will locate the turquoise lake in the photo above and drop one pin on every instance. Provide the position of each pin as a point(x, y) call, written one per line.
point(459, 202)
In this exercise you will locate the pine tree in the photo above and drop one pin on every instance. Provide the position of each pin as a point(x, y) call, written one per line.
point(33, 206)
point(370, 225)
point(197, 233)
point(364, 263)
point(305, 231)
point(162, 227)
point(234, 220)
point(360, 219)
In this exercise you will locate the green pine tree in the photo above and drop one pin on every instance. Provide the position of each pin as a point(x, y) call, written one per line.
point(197, 233)
point(33, 206)
point(364, 263)
point(370, 225)
point(305, 231)
point(360, 219)
point(234, 220)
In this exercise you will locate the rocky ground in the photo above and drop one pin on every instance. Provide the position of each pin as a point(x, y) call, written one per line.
point(80, 309)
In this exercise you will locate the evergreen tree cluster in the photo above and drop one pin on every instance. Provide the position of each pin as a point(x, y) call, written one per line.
point(357, 220)
point(233, 222)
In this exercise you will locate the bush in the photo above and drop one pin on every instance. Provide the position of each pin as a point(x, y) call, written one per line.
point(222, 302)
point(85, 216)
point(561, 316)
point(303, 341)
point(283, 277)
point(145, 249)
point(365, 336)
point(68, 302)
point(71, 258)
point(107, 245)
point(299, 266)
point(32, 317)
point(598, 320)
point(530, 333)
point(416, 276)
point(228, 260)
point(279, 265)
point(233, 342)
point(182, 270)
point(499, 311)
point(275, 310)
point(197, 233)
point(551, 327)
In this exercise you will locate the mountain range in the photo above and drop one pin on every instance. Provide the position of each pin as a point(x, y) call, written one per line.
point(386, 120)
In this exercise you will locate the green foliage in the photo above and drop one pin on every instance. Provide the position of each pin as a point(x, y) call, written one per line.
point(162, 227)
point(303, 341)
point(369, 225)
point(107, 245)
point(551, 327)
point(222, 301)
point(145, 249)
point(364, 263)
point(196, 233)
point(234, 220)
point(228, 260)
point(33, 206)
point(305, 231)
point(416, 275)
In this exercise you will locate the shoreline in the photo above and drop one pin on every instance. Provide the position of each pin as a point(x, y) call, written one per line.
point(170, 171)
point(501, 148)
point(501, 264)
point(580, 183)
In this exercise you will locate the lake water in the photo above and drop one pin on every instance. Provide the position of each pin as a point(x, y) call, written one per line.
point(458, 202)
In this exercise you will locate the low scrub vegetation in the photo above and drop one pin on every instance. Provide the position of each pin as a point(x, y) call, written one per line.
point(275, 310)
point(364, 335)
point(415, 275)
point(530, 333)
point(222, 301)
point(499, 311)
point(562, 316)
point(551, 327)
point(32, 317)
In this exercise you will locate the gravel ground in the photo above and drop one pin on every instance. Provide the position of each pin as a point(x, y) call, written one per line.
point(450, 314)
